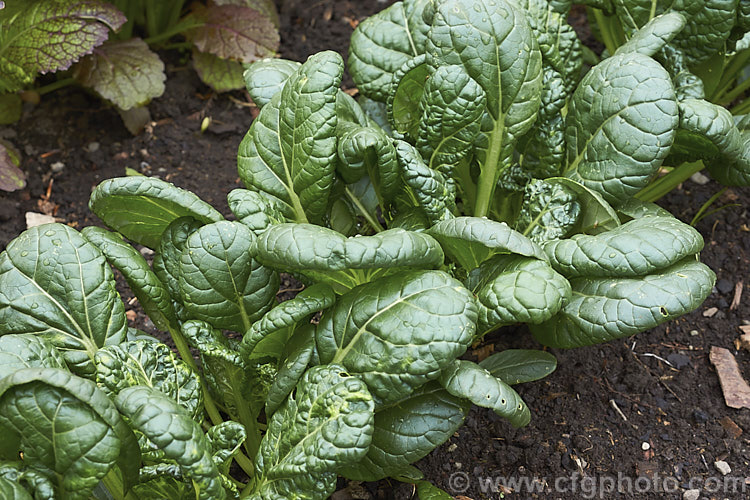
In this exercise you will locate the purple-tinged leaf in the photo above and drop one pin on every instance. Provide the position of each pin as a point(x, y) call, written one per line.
point(11, 177)
point(50, 35)
point(234, 32)
point(126, 73)
point(265, 7)
point(222, 75)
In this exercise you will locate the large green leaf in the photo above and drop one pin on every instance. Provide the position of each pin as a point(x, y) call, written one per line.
point(621, 123)
point(326, 255)
point(398, 332)
point(141, 208)
point(174, 432)
point(709, 24)
point(296, 356)
point(66, 427)
point(636, 248)
point(382, 43)
point(266, 77)
point(47, 36)
point(150, 291)
point(326, 425)
point(602, 309)
point(654, 35)
point(56, 284)
point(153, 364)
point(407, 430)
point(469, 241)
point(465, 379)
point(289, 151)
point(19, 351)
point(219, 279)
point(254, 210)
point(516, 366)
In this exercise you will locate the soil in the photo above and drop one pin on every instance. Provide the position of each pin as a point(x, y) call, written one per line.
point(642, 415)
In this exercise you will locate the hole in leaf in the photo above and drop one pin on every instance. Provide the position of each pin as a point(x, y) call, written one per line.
point(502, 401)
point(663, 311)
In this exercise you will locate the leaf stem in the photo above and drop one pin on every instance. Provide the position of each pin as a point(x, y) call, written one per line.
point(59, 84)
point(663, 185)
point(184, 25)
point(605, 28)
point(362, 210)
point(490, 171)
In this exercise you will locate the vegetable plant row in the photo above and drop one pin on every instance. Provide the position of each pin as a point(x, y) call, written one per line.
point(479, 181)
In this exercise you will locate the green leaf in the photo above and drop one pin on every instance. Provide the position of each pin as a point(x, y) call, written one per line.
point(709, 24)
point(34, 481)
point(266, 77)
point(19, 351)
point(173, 431)
point(549, 211)
point(66, 427)
point(296, 355)
point(635, 209)
point(13, 491)
point(48, 36)
point(407, 430)
point(226, 439)
point(325, 255)
point(602, 309)
point(219, 279)
point(12, 178)
point(254, 210)
point(141, 208)
point(56, 284)
point(222, 75)
point(514, 288)
point(636, 248)
point(289, 151)
point(150, 291)
point(517, 366)
point(151, 364)
point(269, 334)
point(654, 35)
point(596, 214)
point(382, 43)
point(233, 32)
point(398, 332)
point(125, 72)
point(326, 425)
point(469, 241)
point(465, 379)
point(11, 107)
point(621, 124)
point(428, 491)
point(406, 92)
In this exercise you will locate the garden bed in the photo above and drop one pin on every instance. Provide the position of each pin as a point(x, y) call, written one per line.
point(644, 407)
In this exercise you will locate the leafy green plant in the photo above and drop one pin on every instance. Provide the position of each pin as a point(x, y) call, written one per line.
point(97, 43)
point(707, 61)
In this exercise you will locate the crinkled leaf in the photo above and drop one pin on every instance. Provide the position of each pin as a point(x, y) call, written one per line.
point(34, 481)
point(174, 431)
point(226, 439)
point(398, 332)
point(434, 193)
point(549, 211)
point(297, 354)
point(56, 284)
point(146, 286)
point(10, 108)
point(125, 72)
point(708, 132)
point(49, 36)
point(269, 334)
point(469, 241)
point(234, 32)
point(654, 35)
point(602, 309)
point(621, 124)
point(405, 95)
point(596, 214)
point(19, 351)
point(222, 75)
point(636, 248)
point(709, 24)
point(289, 151)
point(326, 425)
point(517, 366)
point(514, 288)
point(327, 256)
point(465, 379)
point(635, 209)
point(141, 208)
point(219, 279)
point(382, 43)
point(11, 177)
point(13, 491)
point(254, 210)
point(266, 77)
point(66, 427)
point(153, 364)
point(409, 429)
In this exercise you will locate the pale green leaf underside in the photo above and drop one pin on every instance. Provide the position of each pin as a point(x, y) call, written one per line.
point(517, 366)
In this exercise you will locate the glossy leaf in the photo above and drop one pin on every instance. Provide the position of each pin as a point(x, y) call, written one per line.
point(296, 355)
point(55, 284)
point(654, 35)
point(406, 92)
point(398, 332)
point(266, 77)
point(18, 351)
point(141, 208)
point(518, 366)
point(549, 211)
point(254, 210)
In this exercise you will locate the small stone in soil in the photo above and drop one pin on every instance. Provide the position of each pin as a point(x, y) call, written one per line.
point(57, 167)
point(722, 467)
point(710, 312)
point(724, 286)
point(678, 360)
point(691, 494)
point(694, 333)
point(645, 446)
point(700, 416)
point(699, 178)
point(92, 147)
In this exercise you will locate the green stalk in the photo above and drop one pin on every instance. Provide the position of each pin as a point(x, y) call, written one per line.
point(490, 171)
point(742, 108)
point(729, 75)
point(664, 185)
point(113, 482)
point(178, 28)
point(735, 93)
point(59, 84)
point(606, 28)
point(368, 217)
point(465, 183)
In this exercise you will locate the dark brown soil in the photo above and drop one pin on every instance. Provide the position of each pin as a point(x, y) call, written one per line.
point(660, 381)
